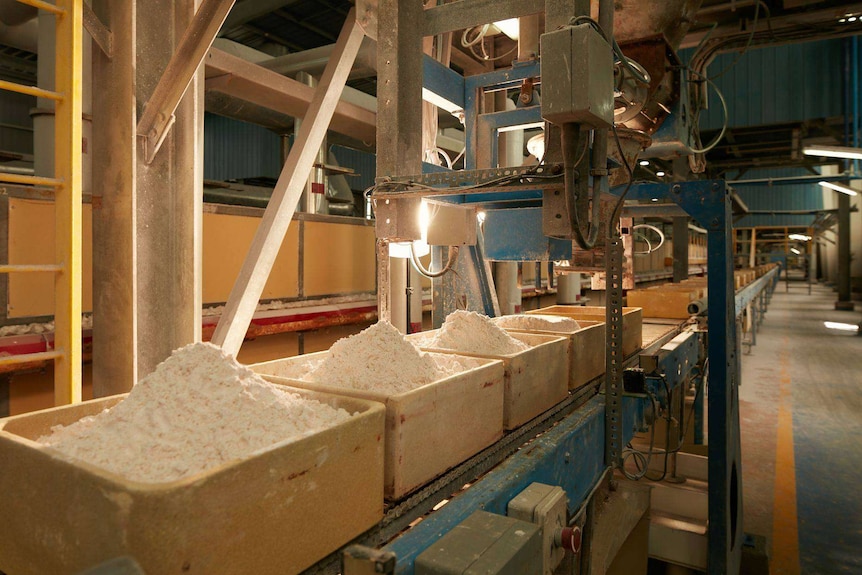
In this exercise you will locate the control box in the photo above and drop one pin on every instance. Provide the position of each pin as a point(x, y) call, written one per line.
point(545, 506)
point(485, 544)
point(577, 77)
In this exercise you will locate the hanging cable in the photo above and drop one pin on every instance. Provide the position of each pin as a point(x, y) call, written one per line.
point(449, 267)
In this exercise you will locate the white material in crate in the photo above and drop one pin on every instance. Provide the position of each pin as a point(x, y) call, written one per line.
point(377, 359)
point(199, 409)
point(554, 323)
point(468, 331)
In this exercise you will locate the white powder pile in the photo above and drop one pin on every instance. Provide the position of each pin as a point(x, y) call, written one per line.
point(471, 332)
point(197, 410)
point(379, 359)
point(555, 323)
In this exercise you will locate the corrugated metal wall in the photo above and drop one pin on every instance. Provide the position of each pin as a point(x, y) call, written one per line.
point(234, 150)
point(806, 196)
point(777, 84)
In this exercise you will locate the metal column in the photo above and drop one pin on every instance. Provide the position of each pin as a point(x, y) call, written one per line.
point(680, 249)
point(115, 342)
point(168, 196)
point(399, 109)
point(844, 302)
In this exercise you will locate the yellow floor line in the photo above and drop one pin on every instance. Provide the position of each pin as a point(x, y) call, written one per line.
point(785, 526)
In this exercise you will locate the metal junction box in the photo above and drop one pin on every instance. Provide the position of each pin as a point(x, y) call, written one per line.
point(577, 77)
point(545, 506)
point(485, 544)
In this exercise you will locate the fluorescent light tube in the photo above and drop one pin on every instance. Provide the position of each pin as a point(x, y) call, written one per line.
point(795, 251)
point(841, 326)
point(833, 152)
point(838, 188)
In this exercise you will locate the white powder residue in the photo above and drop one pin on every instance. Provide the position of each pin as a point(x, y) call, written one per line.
point(377, 359)
point(471, 332)
point(199, 409)
point(555, 323)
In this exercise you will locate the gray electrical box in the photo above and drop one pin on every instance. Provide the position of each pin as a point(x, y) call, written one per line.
point(577, 77)
point(485, 544)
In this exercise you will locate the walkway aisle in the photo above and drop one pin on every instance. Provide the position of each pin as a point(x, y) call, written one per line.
point(801, 409)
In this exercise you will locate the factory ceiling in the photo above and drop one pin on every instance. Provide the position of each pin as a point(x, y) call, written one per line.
point(282, 27)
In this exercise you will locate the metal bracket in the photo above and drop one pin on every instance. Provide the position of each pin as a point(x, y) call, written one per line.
point(100, 33)
point(361, 560)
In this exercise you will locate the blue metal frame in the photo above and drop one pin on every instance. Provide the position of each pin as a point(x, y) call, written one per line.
point(570, 455)
point(708, 202)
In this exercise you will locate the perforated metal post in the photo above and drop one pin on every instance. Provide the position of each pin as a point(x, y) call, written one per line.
point(614, 358)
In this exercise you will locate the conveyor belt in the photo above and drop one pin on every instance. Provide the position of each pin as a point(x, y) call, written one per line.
point(400, 515)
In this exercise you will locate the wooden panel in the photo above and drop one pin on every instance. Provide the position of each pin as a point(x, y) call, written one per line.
point(226, 240)
point(339, 258)
point(31, 241)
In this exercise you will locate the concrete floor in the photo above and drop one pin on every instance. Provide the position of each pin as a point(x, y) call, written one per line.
point(801, 409)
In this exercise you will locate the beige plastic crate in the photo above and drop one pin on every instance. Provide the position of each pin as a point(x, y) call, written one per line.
point(670, 301)
point(276, 512)
point(535, 379)
point(632, 327)
point(429, 429)
point(586, 350)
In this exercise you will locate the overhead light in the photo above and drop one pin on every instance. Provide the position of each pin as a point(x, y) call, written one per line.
point(852, 19)
point(842, 20)
point(644, 162)
point(833, 152)
point(480, 216)
point(795, 251)
point(799, 237)
point(536, 145)
point(655, 199)
point(660, 174)
point(510, 28)
point(841, 326)
point(838, 188)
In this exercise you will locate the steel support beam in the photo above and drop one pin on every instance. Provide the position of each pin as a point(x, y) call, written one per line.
point(168, 196)
point(844, 302)
point(115, 342)
point(158, 114)
point(101, 34)
point(255, 84)
point(245, 294)
point(399, 109)
point(466, 13)
point(680, 249)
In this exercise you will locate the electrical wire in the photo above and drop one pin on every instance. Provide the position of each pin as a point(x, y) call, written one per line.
point(618, 208)
point(748, 43)
point(656, 230)
point(643, 77)
point(643, 466)
point(449, 267)
point(483, 29)
point(715, 141)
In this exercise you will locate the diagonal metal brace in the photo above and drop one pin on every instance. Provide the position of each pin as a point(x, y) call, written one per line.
point(244, 295)
point(100, 33)
point(158, 114)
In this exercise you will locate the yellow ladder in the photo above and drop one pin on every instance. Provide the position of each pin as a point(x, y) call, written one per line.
point(66, 184)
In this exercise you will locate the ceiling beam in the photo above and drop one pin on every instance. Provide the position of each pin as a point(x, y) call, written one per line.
point(255, 84)
point(245, 12)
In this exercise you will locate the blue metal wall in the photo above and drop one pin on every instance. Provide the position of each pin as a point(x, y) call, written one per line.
point(363, 163)
point(806, 196)
point(777, 84)
point(234, 149)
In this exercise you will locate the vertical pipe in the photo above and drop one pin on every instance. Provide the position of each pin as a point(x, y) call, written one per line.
point(414, 284)
point(508, 288)
point(857, 122)
point(398, 293)
point(569, 289)
point(528, 38)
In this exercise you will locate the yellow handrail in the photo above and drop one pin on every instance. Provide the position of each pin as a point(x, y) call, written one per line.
point(46, 6)
point(29, 90)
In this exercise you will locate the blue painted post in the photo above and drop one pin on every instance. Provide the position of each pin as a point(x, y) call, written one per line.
point(725, 480)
